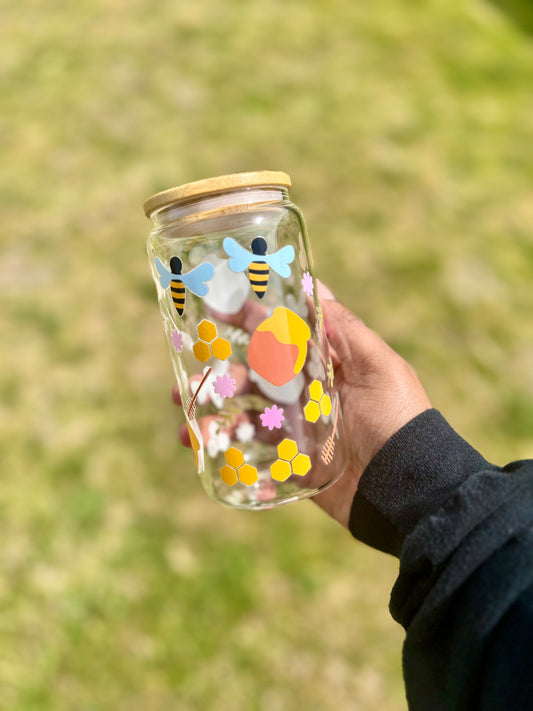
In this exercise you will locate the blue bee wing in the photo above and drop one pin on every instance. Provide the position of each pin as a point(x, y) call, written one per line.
point(239, 258)
point(280, 260)
point(165, 277)
point(196, 278)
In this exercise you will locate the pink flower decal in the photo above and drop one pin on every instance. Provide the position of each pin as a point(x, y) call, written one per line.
point(177, 340)
point(224, 386)
point(307, 284)
point(272, 417)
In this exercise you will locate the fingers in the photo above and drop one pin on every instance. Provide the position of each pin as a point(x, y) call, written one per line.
point(347, 334)
point(324, 294)
point(248, 318)
point(176, 396)
point(363, 357)
point(211, 426)
point(351, 339)
point(237, 371)
point(230, 423)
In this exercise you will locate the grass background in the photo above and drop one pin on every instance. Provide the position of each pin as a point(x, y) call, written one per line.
point(407, 130)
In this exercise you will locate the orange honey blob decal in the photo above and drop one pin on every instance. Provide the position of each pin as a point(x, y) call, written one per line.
point(278, 346)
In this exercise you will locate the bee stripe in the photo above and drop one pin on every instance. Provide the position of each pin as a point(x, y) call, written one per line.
point(177, 289)
point(258, 273)
point(258, 267)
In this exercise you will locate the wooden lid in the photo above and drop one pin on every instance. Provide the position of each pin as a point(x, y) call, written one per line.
point(216, 185)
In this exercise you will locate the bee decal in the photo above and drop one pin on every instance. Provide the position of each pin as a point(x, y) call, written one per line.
point(258, 262)
point(195, 280)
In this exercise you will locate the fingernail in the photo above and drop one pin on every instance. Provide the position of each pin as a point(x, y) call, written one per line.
point(324, 294)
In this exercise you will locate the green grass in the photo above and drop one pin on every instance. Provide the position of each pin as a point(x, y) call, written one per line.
point(406, 128)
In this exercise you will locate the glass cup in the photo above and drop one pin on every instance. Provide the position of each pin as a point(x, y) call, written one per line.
point(237, 291)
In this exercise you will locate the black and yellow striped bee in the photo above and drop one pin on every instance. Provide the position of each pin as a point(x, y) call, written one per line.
point(193, 280)
point(258, 262)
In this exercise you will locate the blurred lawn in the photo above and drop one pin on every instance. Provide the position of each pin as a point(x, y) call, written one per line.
point(407, 130)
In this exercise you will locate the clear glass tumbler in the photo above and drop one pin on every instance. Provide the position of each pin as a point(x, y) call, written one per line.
point(236, 285)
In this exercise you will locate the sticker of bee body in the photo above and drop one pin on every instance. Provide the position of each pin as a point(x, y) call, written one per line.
point(195, 280)
point(258, 262)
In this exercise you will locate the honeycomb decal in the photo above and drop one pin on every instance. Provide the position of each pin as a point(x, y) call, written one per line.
point(209, 343)
point(236, 469)
point(290, 461)
point(319, 402)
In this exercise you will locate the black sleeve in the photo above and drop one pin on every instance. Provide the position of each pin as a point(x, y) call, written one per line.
point(463, 530)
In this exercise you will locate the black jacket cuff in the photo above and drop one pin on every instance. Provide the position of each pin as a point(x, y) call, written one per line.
point(409, 478)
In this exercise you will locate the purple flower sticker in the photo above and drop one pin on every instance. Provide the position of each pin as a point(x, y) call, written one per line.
point(272, 417)
point(307, 284)
point(224, 386)
point(177, 340)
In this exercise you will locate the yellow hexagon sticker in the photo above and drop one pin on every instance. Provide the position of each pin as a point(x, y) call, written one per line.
point(207, 331)
point(209, 343)
point(247, 474)
point(312, 411)
point(229, 475)
point(319, 402)
point(280, 470)
point(234, 457)
point(221, 348)
point(201, 351)
point(301, 464)
point(236, 470)
point(290, 461)
point(287, 449)
point(325, 405)
point(316, 390)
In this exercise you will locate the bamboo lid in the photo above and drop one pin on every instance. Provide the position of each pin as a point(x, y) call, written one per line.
point(216, 185)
